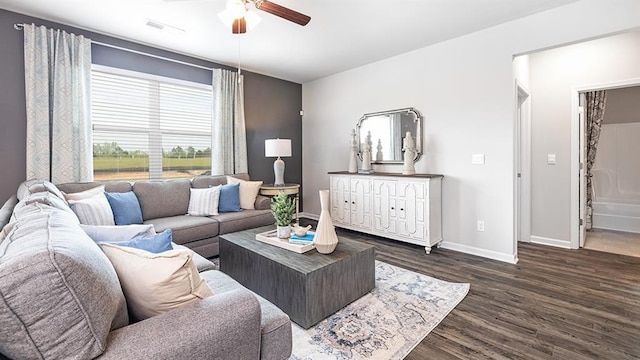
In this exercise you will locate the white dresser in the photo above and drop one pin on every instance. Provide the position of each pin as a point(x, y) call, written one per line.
point(401, 207)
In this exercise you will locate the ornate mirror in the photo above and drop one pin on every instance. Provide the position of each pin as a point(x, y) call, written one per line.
point(387, 129)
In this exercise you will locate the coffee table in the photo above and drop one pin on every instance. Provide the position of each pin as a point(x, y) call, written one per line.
point(308, 287)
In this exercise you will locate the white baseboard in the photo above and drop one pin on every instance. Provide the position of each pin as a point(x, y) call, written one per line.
point(551, 242)
point(309, 216)
point(494, 255)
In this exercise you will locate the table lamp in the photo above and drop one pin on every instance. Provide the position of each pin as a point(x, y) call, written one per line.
point(278, 148)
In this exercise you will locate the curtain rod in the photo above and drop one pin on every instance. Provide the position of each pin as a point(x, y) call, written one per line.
point(21, 27)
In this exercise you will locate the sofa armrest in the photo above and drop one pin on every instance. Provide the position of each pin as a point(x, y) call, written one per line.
point(223, 326)
point(263, 202)
point(7, 210)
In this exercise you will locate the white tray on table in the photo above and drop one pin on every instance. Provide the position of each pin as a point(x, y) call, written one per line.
point(270, 237)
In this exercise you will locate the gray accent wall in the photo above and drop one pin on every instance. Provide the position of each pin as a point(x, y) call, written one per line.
point(272, 105)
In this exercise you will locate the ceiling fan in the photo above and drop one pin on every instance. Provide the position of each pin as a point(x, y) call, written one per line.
point(237, 16)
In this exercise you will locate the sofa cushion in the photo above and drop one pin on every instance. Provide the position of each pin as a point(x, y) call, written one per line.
point(202, 264)
point(110, 186)
point(47, 198)
point(115, 233)
point(248, 191)
point(275, 324)
point(186, 228)
point(86, 194)
point(152, 243)
point(59, 294)
point(156, 283)
point(125, 207)
point(205, 181)
point(93, 211)
point(204, 202)
point(247, 219)
point(229, 198)
point(160, 199)
point(35, 186)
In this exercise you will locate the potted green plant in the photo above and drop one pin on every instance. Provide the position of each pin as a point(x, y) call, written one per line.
point(282, 208)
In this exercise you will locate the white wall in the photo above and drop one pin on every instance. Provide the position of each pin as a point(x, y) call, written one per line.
point(464, 89)
point(554, 74)
point(521, 71)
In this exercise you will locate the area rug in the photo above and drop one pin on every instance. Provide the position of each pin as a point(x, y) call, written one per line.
point(385, 324)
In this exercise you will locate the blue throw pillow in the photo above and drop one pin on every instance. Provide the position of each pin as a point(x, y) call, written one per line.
point(125, 207)
point(151, 243)
point(229, 200)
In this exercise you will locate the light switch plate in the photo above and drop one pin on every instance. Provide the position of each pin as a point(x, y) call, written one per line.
point(477, 159)
point(551, 159)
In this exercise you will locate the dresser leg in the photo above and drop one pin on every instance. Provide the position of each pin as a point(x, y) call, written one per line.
point(427, 249)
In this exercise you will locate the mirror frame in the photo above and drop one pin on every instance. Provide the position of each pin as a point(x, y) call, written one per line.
point(418, 136)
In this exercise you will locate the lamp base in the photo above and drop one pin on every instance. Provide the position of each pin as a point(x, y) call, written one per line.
point(278, 171)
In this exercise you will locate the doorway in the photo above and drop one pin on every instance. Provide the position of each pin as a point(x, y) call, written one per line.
point(523, 165)
point(613, 222)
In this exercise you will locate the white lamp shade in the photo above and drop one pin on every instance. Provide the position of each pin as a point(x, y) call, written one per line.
point(277, 147)
point(237, 9)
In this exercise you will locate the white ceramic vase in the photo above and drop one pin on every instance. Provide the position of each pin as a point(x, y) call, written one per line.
point(325, 239)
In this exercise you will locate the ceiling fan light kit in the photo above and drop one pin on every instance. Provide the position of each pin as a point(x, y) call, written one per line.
point(237, 16)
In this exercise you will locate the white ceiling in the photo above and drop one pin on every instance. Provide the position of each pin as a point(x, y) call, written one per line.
point(342, 34)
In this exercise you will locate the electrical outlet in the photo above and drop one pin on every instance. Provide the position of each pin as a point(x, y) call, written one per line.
point(480, 225)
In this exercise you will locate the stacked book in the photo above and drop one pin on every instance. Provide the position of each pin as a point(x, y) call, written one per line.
point(303, 240)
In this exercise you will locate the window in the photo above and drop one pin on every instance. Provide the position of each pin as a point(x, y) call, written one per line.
point(149, 127)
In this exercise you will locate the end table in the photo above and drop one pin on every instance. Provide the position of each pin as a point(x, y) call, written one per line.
point(289, 189)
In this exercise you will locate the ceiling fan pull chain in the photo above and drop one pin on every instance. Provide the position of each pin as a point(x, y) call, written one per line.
point(239, 69)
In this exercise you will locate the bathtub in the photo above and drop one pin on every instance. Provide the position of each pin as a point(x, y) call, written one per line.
point(616, 178)
point(614, 215)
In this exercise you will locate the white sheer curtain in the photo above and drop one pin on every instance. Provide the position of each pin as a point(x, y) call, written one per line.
point(229, 140)
point(57, 82)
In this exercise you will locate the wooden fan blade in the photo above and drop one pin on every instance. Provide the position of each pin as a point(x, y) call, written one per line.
point(283, 12)
point(239, 26)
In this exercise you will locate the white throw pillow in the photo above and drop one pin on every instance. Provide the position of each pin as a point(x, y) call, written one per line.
point(116, 233)
point(204, 202)
point(93, 211)
point(248, 191)
point(156, 283)
point(84, 194)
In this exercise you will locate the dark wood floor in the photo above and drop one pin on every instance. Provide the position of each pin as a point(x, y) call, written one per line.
point(553, 304)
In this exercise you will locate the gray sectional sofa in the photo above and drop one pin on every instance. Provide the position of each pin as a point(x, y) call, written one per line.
point(164, 204)
point(60, 297)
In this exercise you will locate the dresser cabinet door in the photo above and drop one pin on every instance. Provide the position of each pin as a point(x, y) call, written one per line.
point(411, 203)
point(384, 205)
point(340, 199)
point(360, 202)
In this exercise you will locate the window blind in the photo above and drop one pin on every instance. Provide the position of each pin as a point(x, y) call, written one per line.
point(149, 127)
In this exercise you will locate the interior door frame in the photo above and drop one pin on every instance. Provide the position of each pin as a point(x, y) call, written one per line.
point(522, 179)
point(578, 185)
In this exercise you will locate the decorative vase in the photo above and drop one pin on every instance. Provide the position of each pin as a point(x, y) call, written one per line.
point(283, 232)
point(325, 239)
point(353, 156)
point(409, 147)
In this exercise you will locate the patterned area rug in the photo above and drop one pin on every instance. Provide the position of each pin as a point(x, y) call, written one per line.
point(385, 324)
